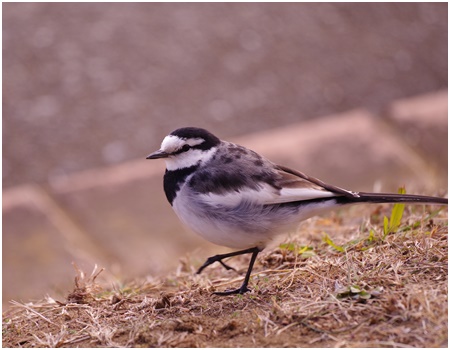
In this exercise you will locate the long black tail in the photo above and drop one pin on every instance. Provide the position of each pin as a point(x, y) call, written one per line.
point(365, 197)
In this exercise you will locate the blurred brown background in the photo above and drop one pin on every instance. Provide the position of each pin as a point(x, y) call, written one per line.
point(88, 85)
point(90, 89)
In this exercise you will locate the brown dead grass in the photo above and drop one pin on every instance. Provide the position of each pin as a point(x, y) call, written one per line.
point(388, 292)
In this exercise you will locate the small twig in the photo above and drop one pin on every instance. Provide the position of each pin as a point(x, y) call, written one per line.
point(77, 339)
point(286, 327)
point(307, 325)
point(33, 311)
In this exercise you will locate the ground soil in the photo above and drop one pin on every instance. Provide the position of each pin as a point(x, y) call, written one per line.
point(360, 289)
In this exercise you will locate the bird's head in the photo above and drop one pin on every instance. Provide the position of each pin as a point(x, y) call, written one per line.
point(186, 147)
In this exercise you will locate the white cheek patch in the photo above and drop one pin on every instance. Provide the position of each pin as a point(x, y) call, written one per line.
point(189, 158)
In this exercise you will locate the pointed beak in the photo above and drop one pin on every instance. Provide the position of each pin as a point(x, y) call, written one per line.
point(158, 154)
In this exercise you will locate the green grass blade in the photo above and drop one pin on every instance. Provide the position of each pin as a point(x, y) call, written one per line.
point(397, 213)
point(392, 225)
point(329, 241)
point(386, 226)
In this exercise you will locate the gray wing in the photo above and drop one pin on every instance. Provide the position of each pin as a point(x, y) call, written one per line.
point(249, 177)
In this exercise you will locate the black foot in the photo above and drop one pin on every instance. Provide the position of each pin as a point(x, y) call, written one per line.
point(218, 258)
point(241, 290)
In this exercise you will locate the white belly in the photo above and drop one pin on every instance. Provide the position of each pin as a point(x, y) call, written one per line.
point(243, 226)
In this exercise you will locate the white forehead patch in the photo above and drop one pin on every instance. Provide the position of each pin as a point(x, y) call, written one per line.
point(172, 143)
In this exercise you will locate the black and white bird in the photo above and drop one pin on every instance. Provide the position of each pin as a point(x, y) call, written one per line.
point(234, 197)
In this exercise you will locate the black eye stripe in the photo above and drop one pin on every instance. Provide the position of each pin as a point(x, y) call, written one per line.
point(185, 148)
point(199, 144)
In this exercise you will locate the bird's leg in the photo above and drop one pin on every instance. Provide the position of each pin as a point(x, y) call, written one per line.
point(212, 260)
point(228, 267)
point(219, 258)
point(243, 288)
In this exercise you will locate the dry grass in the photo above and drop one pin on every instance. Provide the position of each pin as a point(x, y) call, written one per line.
point(389, 292)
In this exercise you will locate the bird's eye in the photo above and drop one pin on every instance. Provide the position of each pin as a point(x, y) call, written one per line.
point(185, 148)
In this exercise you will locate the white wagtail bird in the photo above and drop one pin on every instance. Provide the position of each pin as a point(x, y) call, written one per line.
point(234, 197)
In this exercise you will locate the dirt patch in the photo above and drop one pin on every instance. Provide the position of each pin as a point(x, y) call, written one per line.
point(378, 292)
